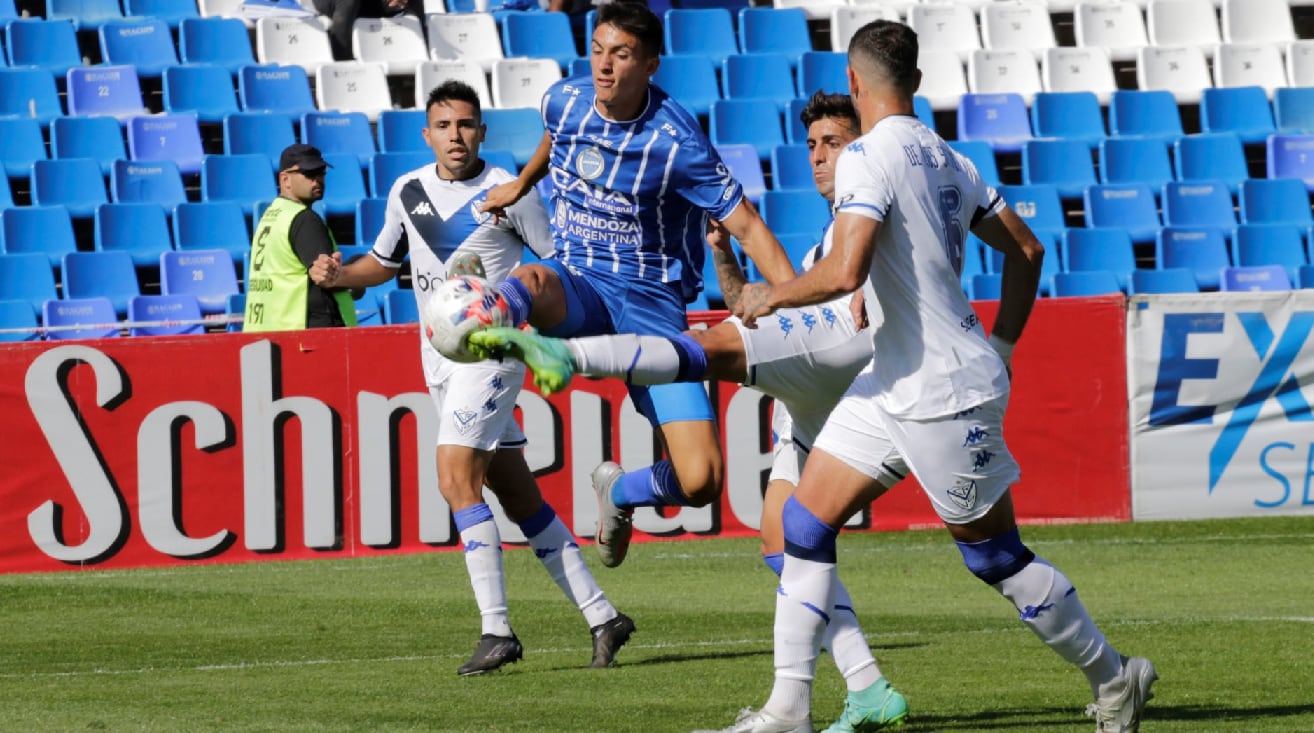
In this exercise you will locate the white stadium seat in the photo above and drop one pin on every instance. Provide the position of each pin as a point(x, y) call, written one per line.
point(1249, 65)
point(1176, 23)
point(1001, 71)
point(943, 82)
point(293, 41)
point(397, 43)
point(1117, 26)
point(353, 86)
point(1257, 21)
point(429, 74)
point(522, 82)
point(1017, 24)
point(1067, 69)
point(846, 20)
point(1181, 70)
point(945, 27)
point(465, 36)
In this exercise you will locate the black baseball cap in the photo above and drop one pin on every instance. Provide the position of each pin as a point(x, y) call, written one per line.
point(301, 157)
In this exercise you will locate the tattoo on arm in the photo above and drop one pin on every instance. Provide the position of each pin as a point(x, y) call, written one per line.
point(730, 275)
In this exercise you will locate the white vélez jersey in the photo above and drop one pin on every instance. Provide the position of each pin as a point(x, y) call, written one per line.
point(431, 219)
point(934, 357)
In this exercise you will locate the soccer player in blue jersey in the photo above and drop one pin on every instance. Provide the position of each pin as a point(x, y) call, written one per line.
point(634, 180)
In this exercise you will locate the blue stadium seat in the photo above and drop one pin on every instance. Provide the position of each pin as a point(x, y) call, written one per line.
point(501, 159)
point(258, 132)
point(173, 12)
point(47, 230)
point(581, 67)
point(108, 275)
point(711, 284)
point(1135, 160)
point(982, 156)
point(922, 108)
point(1241, 110)
point(801, 212)
point(775, 30)
point(370, 214)
point(1099, 249)
point(1038, 205)
point(1202, 250)
point(1198, 204)
point(994, 259)
point(48, 44)
point(245, 179)
point(145, 43)
point(29, 92)
point(164, 315)
point(104, 90)
point(386, 168)
point(204, 274)
point(707, 32)
point(1270, 244)
point(100, 138)
point(28, 277)
point(369, 309)
point(8, 11)
point(85, 14)
point(18, 322)
point(235, 310)
point(276, 89)
point(691, 80)
point(759, 76)
point(6, 195)
point(1275, 201)
point(1306, 277)
point(825, 71)
point(1211, 156)
point(1064, 164)
point(1146, 113)
point(539, 35)
point(345, 184)
point(1084, 283)
point(77, 184)
point(745, 165)
point(215, 40)
point(1291, 156)
point(797, 245)
point(699, 303)
point(985, 286)
point(401, 129)
point(203, 90)
point(1130, 206)
point(516, 130)
point(175, 137)
point(93, 317)
point(21, 145)
point(1168, 280)
point(747, 121)
point(973, 262)
point(399, 306)
point(211, 225)
point(1254, 278)
point(791, 168)
point(340, 132)
point(999, 119)
point(141, 230)
point(795, 132)
point(157, 182)
point(1068, 115)
point(1293, 110)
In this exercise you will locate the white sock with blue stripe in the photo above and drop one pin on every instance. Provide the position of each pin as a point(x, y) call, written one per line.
point(645, 360)
point(556, 548)
point(483, 560)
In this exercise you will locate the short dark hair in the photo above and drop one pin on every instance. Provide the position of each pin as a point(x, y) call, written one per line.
point(821, 104)
point(892, 47)
point(635, 19)
point(453, 89)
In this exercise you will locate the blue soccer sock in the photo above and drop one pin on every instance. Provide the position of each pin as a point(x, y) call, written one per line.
point(518, 299)
point(654, 485)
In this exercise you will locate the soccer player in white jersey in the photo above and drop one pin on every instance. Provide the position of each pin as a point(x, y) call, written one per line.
point(634, 180)
point(433, 213)
point(933, 402)
point(803, 357)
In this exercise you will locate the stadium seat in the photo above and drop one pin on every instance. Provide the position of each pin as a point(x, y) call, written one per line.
point(759, 76)
point(1291, 156)
point(396, 43)
point(386, 168)
point(28, 277)
point(21, 145)
point(1116, 27)
point(798, 212)
point(1065, 69)
point(345, 184)
point(1068, 115)
point(1258, 21)
point(706, 32)
point(401, 130)
point(1199, 249)
point(79, 318)
point(352, 86)
point(18, 322)
point(945, 26)
point(1003, 71)
point(430, 74)
point(204, 274)
point(1145, 281)
point(691, 80)
point(144, 43)
point(340, 132)
point(1211, 156)
point(999, 119)
point(84, 14)
point(944, 80)
point(712, 285)
point(1241, 110)
point(795, 133)
point(1084, 283)
point(77, 184)
point(522, 82)
point(1199, 204)
point(1249, 64)
point(175, 137)
point(235, 310)
point(1182, 23)
point(1135, 160)
point(464, 36)
point(220, 41)
point(540, 36)
point(1306, 277)
point(399, 306)
point(141, 230)
point(1300, 63)
point(746, 166)
point(104, 90)
point(1293, 109)
point(1254, 278)
point(823, 71)
point(791, 168)
point(1270, 244)
point(985, 286)
point(516, 130)
point(1145, 113)
point(292, 41)
point(164, 315)
point(99, 138)
point(6, 200)
point(246, 179)
point(1050, 266)
point(1021, 25)
point(845, 20)
point(29, 92)
point(1111, 250)
point(1275, 201)
point(204, 91)
point(772, 30)
point(746, 121)
point(501, 159)
point(258, 132)
point(369, 309)
point(1038, 205)
point(48, 44)
point(108, 275)
point(204, 225)
point(923, 110)
point(157, 182)
point(1181, 70)
point(981, 155)
point(370, 215)
point(1064, 164)
point(275, 89)
point(47, 230)
point(1129, 206)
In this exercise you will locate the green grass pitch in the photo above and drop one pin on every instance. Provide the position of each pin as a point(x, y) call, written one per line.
point(1225, 609)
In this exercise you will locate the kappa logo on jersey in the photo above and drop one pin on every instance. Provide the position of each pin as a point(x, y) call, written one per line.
point(856, 147)
point(465, 420)
point(422, 209)
point(589, 163)
point(963, 493)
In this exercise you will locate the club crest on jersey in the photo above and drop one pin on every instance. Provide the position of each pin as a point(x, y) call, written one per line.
point(560, 214)
point(589, 163)
point(479, 216)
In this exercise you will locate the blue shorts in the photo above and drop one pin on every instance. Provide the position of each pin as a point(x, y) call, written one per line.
point(600, 302)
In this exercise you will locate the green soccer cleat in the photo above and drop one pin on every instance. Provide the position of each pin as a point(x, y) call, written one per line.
point(876, 708)
point(548, 358)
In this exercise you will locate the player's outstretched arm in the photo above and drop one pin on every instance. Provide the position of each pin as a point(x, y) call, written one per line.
point(500, 197)
point(1023, 254)
point(759, 243)
point(329, 272)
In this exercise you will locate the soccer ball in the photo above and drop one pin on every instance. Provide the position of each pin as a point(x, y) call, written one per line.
point(459, 306)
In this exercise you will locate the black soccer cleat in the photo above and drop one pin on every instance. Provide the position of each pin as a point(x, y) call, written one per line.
point(491, 653)
point(608, 638)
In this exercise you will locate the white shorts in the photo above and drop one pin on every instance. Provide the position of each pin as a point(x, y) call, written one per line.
point(787, 457)
point(961, 460)
point(476, 404)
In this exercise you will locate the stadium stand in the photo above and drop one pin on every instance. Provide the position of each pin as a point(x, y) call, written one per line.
point(98, 138)
point(1254, 278)
point(77, 184)
point(706, 32)
point(153, 315)
point(144, 43)
point(109, 275)
point(258, 132)
point(219, 41)
point(48, 44)
point(92, 317)
point(27, 277)
point(1202, 250)
point(29, 92)
point(1110, 250)
point(1167, 280)
point(207, 275)
point(175, 137)
point(204, 91)
point(1211, 156)
point(141, 230)
point(18, 322)
point(1082, 283)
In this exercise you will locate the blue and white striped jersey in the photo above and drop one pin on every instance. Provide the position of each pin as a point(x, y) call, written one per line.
point(633, 197)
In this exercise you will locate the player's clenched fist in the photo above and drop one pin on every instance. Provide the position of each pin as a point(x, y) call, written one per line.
point(324, 271)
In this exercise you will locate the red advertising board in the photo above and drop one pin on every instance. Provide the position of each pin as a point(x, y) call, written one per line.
point(228, 447)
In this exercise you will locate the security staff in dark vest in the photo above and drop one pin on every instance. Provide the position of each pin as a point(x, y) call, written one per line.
point(289, 236)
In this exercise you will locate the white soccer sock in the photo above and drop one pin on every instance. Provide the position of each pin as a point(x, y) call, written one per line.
point(483, 560)
point(803, 603)
point(1049, 606)
point(847, 644)
point(633, 358)
point(557, 550)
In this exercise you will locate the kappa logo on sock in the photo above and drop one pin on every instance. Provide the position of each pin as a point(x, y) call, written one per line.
point(465, 420)
point(473, 545)
point(963, 493)
point(543, 553)
point(1032, 612)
